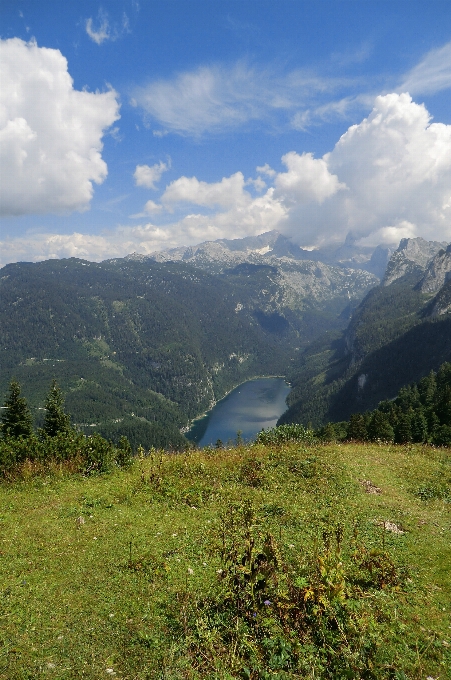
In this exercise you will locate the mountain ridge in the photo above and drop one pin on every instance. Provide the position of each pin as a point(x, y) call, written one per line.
point(269, 246)
point(398, 333)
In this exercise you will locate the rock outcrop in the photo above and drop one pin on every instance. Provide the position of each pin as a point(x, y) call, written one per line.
point(438, 272)
point(412, 256)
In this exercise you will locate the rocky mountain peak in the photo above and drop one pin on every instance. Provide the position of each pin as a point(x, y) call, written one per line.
point(438, 272)
point(412, 255)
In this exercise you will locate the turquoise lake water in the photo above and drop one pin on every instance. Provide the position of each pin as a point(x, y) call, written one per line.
point(250, 407)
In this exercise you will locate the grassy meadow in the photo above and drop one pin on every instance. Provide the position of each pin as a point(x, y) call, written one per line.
point(319, 561)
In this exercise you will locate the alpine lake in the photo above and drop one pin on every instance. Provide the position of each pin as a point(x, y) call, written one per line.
point(252, 406)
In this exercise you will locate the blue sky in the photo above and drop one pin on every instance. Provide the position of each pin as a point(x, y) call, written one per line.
point(139, 125)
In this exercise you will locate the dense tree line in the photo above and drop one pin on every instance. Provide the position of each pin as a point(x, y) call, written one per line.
point(56, 441)
point(421, 413)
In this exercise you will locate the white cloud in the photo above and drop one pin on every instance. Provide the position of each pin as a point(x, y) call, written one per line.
point(432, 74)
point(217, 98)
point(152, 207)
point(391, 235)
point(266, 170)
point(220, 97)
point(251, 216)
point(226, 193)
point(148, 176)
point(259, 184)
point(37, 247)
point(387, 178)
point(50, 134)
point(308, 179)
point(396, 166)
point(105, 31)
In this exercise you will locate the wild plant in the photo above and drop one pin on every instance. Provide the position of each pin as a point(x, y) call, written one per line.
point(274, 615)
point(251, 471)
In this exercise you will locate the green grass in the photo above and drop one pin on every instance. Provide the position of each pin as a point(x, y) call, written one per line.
point(131, 590)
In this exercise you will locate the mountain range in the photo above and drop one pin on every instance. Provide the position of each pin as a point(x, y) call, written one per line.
point(400, 331)
point(141, 345)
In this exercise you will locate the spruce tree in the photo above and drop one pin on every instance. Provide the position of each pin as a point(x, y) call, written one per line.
point(357, 428)
point(16, 417)
point(379, 428)
point(403, 431)
point(327, 433)
point(419, 427)
point(56, 419)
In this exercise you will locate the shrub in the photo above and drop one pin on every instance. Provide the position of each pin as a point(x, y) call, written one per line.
point(124, 453)
point(98, 453)
point(442, 436)
point(286, 433)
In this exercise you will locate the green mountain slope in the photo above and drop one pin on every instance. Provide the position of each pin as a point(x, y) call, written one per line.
point(397, 335)
point(158, 343)
point(141, 347)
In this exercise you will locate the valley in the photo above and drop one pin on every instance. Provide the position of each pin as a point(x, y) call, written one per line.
point(143, 345)
point(140, 347)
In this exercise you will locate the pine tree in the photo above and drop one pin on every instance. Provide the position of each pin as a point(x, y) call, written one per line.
point(357, 428)
point(403, 430)
point(443, 405)
point(379, 428)
point(56, 419)
point(327, 433)
point(419, 427)
point(16, 417)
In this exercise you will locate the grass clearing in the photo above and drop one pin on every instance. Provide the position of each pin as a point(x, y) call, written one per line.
point(117, 574)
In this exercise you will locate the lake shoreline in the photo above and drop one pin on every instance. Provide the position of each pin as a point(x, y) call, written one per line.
point(244, 413)
point(186, 429)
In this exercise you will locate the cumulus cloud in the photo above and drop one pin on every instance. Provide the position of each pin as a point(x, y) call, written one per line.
point(432, 74)
point(44, 246)
point(226, 193)
point(266, 170)
point(248, 216)
point(152, 207)
point(387, 178)
point(308, 179)
point(396, 167)
point(148, 176)
point(216, 98)
point(50, 133)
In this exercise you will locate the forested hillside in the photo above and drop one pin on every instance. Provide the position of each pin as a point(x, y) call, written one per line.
point(131, 346)
point(420, 413)
point(397, 335)
point(141, 347)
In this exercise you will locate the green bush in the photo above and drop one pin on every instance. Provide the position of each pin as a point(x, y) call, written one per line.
point(442, 436)
point(286, 433)
point(92, 454)
point(124, 453)
point(98, 453)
